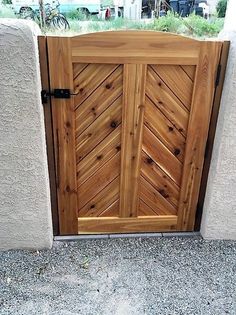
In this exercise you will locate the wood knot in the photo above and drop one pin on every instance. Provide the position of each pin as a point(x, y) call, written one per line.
point(170, 128)
point(177, 151)
point(68, 124)
point(81, 90)
point(149, 160)
point(159, 84)
point(163, 193)
point(99, 157)
point(118, 148)
point(113, 124)
point(108, 86)
point(92, 206)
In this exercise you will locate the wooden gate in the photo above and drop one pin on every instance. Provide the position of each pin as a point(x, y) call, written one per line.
point(130, 141)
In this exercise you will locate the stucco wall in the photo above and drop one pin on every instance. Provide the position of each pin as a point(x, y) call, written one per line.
point(219, 216)
point(25, 216)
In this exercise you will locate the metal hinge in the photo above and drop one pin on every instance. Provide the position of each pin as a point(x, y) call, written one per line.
point(57, 93)
point(218, 75)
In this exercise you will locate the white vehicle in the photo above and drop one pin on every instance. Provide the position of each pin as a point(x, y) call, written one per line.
point(86, 6)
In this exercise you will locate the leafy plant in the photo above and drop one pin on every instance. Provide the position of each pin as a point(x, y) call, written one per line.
point(169, 23)
point(6, 2)
point(221, 8)
point(76, 15)
point(199, 26)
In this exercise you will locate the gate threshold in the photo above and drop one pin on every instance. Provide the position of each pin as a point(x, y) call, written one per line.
point(124, 235)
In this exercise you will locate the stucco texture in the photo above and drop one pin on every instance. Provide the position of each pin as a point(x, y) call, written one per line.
point(25, 216)
point(219, 216)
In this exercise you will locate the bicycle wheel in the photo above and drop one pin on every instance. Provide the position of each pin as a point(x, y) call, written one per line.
point(59, 22)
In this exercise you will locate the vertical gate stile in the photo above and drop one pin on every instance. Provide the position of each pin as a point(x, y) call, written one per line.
point(201, 107)
point(131, 141)
point(43, 54)
point(60, 68)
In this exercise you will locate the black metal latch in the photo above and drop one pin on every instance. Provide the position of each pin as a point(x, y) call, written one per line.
point(57, 93)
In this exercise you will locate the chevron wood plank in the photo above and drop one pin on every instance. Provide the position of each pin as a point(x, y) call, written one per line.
point(99, 101)
point(178, 82)
point(154, 199)
point(112, 210)
point(78, 68)
point(166, 101)
point(145, 210)
point(99, 156)
point(159, 180)
point(96, 132)
point(162, 156)
point(99, 180)
point(162, 128)
point(190, 70)
point(92, 76)
point(98, 204)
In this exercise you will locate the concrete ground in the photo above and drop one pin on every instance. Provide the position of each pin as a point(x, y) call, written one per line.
point(121, 277)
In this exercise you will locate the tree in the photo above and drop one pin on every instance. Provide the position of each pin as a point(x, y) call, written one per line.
point(221, 8)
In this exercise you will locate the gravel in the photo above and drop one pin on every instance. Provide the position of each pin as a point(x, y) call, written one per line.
point(121, 277)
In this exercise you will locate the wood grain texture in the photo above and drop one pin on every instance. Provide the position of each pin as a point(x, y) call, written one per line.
point(130, 144)
point(99, 180)
point(98, 157)
point(164, 130)
point(99, 204)
point(61, 76)
point(166, 101)
point(159, 180)
point(137, 47)
point(109, 90)
point(90, 79)
point(190, 71)
point(131, 141)
point(178, 82)
point(197, 133)
point(106, 123)
point(126, 225)
point(211, 133)
point(154, 199)
point(158, 152)
point(44, 71)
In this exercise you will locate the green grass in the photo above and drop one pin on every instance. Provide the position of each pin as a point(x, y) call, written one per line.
point(194, 26)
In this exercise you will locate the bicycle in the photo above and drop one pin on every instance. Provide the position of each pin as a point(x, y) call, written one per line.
point(53, 17)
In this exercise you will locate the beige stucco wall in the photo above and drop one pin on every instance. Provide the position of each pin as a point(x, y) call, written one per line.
point(25, 216)
point(219, 215)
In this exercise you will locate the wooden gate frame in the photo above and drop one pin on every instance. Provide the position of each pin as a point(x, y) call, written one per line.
point(43, 57)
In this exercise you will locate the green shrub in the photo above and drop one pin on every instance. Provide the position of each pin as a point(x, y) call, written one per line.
point(169, 23)
point(76, 15)
point(221, 8)
point(199, 26)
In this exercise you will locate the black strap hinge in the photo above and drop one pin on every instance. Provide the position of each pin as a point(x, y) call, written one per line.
point(57, 93)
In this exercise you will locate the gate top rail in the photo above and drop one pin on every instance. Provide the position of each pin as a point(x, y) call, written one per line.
point(143, 47)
